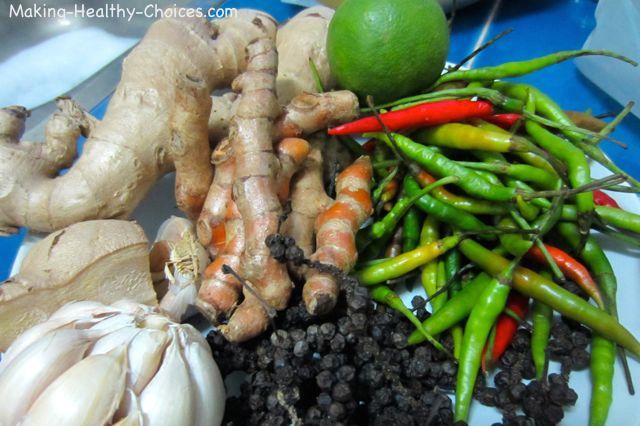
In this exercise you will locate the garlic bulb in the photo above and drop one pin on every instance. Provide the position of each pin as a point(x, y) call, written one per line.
point(124, 364)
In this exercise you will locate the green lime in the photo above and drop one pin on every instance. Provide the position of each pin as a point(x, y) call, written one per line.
point(387, 48)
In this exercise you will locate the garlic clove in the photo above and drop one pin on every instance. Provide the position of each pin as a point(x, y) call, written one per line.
point(168, 399)
point(145, 355)
point(86, 308)
point(120, 337)
point(174, 228)
point(25, 377)
point(157, 322)
point(180, 296)
point(133, 308)
point(113, 323)
point(86, 394)
point(210, 395)
point(30, 336)
point(129, 413)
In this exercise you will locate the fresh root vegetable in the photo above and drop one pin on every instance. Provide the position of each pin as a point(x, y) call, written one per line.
point(310, 112)
point(182, 260)
point(335, 235)
point(255, 192)
point(308, 199)
point(91, 363)
point(220, 292)
point(156, 123)
point(303, 40)
point(103, 260)
point(427, 114)
point(305, 114)
point(211, 220)
point(291, 153)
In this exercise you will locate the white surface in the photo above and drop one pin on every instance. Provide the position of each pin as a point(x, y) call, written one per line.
point(50, 69)
point(617, 24)
point(159, 205)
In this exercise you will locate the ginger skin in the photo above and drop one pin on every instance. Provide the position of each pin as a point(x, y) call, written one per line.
point(157, 122)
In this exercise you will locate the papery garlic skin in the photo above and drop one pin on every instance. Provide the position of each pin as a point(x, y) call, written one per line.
point(124, 364)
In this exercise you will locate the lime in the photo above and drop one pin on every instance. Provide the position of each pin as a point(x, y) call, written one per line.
point(387, 48)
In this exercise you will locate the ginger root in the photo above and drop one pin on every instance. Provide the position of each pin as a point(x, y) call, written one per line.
point(157, 122)
point(102, 260)
point(303, 39)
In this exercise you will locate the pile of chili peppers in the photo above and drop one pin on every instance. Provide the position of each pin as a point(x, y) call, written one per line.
point(484, 181)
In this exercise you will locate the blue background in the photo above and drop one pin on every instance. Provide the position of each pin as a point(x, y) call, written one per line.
point(540, 27)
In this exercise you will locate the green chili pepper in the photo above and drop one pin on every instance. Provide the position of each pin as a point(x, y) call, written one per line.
point(438, 301)
point(533, 285)
point(442, 211)
point(484, 314)
point(517, 69)
point(389, 222)
point(429, 275)
point(406, 262)
point(455, 310)
point(411, 230)
point(522, 172)
point(528, 157)
point(467, 204)
point(579, 172)
point(612, 216)
point(466, 136)
point(439, 165)
point(451, 268)
point(542, 316)
point(548, 108)
point(602, 350)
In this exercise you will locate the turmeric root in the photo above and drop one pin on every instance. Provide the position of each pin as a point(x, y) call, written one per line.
point(303, 39)
point(157, 121)
point(308, 199)
point(335, 235)
point(104, 261)
point(222, 109)
point(255, 193)
point(291, 153)
point(218, 198)
point(219, 292)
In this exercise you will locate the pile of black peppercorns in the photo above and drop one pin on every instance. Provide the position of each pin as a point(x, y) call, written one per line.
point(353, 367)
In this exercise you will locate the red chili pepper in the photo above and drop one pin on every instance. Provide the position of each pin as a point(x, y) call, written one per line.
point(506, 121)
point(427, 114)
point(602, 199)
point(506, 328)
point(571, 268)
